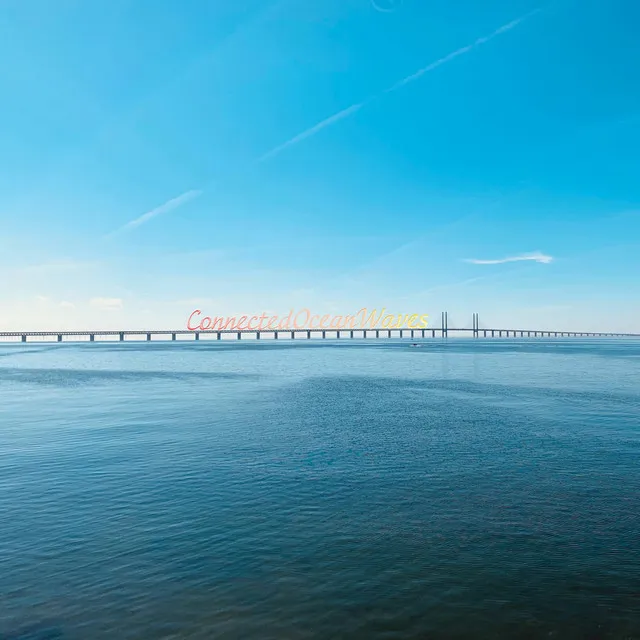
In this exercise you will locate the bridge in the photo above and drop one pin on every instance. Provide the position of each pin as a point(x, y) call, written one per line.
point(443, 331)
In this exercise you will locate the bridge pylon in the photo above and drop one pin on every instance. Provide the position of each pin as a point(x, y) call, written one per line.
point(445, 324)
point(476, 325)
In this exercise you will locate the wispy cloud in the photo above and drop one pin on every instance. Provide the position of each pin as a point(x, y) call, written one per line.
point(535, 257)
point(106, 304)
point(415, 245)
point(174, 203)
point(55, 266)
point(198, 302)
point(442, 287)
point(46, 301)
point(548, 307)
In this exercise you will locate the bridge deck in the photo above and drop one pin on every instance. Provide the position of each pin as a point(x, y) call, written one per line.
point(327, 333)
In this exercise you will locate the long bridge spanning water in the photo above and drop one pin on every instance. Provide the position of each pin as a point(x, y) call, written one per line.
point(443, 331)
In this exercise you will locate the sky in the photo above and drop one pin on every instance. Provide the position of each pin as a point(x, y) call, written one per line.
point(250, 156)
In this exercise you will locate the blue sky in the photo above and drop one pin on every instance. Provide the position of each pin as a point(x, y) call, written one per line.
point(243, 156)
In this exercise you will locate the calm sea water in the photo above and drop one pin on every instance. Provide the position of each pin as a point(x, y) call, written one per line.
point(468, 489)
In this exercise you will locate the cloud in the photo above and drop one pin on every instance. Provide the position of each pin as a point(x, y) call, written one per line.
point(55, 266)
point(106, 304)
point(174, 203)
point(198, 302)
point(67, 305)
point(535, 257)
point(443, 287)
point(548, 307)
point(303, 292)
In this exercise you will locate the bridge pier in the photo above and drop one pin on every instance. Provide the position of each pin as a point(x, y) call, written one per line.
point(403, 333)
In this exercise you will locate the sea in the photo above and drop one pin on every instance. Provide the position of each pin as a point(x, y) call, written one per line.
point(352, 489)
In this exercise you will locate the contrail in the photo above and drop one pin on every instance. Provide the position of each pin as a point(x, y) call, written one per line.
point(401, 83)
point(458, 52)
point(163, 208)
point(313, 130)
point(337, 117)
point(536, 257)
